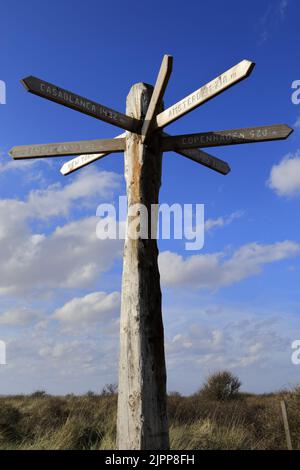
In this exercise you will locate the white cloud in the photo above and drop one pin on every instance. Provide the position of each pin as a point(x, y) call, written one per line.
point(251, 343)
point(92, 308)
point(58, 200)
point(297, 123)
point(285, 177)
point(270, 21)
point(59, 364)
point(283, 5)
point(19, 317)
point(52, 359)
point(212, 271)
point(8, 164)
point(197, 340)
point(222, 221)
point(70, 256)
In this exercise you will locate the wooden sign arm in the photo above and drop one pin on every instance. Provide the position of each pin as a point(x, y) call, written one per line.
point(213, 88)
point(78, 103)
point(157, 95)
point(205, 159)
point(228, 137)
point(83, 160)
point(67, 148)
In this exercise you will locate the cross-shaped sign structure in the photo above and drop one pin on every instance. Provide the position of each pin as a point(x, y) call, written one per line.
point(142, 409)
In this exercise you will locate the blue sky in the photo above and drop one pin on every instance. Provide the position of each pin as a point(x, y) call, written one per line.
point(234, 304)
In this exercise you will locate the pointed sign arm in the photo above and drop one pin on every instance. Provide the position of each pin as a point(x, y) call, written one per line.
point(67, 148)
point(230, 137)
point(78, 103)
point(203, 158)
point(229, 78)
point(157, 95)
point(84, 160)
point(206, 159)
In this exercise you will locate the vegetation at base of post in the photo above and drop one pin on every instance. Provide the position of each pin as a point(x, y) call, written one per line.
point(218, 416)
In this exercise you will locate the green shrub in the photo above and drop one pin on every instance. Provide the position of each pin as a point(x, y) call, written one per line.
point(221, 386)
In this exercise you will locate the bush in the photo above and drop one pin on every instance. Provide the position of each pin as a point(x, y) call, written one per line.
point(39, 394)
point(221, 386)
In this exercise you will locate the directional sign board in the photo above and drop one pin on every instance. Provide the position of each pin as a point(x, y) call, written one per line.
point(207, 160)
point(158, 92)
point(205, 93)
point(67, 148)
point(84, 160)
point(71, 100)
point(230, 137)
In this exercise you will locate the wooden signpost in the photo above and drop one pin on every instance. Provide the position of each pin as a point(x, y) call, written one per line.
point(142, 408)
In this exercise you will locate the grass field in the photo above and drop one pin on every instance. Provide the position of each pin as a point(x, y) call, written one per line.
point(247, 421)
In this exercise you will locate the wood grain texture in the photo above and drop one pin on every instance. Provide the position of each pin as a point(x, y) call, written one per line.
point(67, 148)
point(286, 425)
point(142, 411)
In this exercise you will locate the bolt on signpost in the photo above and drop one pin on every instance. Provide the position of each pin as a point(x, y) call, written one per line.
point(142, 409)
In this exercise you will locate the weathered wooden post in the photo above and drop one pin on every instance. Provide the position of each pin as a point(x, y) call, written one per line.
point(142, 414)
point(286, 425)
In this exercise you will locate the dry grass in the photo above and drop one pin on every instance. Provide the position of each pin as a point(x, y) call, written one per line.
point(196, 422)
